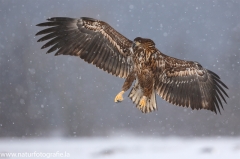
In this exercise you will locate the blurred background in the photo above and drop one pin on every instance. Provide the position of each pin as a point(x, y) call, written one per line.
point(46, 96)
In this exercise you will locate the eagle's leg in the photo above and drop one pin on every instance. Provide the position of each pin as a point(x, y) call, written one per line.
point(143, 102)
point(127, 84)
point(147, 91)
point(119, 97)
point(146, 83)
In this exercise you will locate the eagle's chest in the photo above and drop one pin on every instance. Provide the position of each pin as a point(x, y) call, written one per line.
point(142, 62)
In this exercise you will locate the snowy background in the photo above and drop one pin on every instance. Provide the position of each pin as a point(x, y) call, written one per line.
point(126, 147)
point(43, 97)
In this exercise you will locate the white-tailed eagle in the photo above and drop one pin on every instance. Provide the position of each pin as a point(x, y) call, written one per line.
point(180, 82)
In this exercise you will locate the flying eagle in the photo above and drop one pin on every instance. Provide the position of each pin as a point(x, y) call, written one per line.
point(180, 82)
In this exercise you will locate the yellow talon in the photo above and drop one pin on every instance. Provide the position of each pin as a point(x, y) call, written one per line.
point(119, 97)
point(142, 102)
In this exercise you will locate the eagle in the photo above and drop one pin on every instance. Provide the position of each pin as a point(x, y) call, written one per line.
point(179, 82)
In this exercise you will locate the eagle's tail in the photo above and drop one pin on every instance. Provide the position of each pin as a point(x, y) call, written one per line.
point(136, 94)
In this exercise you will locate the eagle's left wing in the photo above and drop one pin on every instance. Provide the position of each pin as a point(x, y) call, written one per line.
point(187, 83)
point(92, 40)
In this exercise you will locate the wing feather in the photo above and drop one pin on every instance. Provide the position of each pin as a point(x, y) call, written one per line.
point(107, 61)
point(92, 40)
point(114, 65)
point(187, 83)
point(99, 58)
point(187, 93)
point(104, 59)
point(111, 61)
point(86, 47)
point(122, 70)
point(93, 48)
point(169, 90)
point(171, 97)
point(118, 66)
point(184, 94)
point(95, 52)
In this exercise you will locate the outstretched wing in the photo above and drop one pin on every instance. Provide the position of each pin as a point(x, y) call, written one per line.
point(92, 40)
point(187, 83)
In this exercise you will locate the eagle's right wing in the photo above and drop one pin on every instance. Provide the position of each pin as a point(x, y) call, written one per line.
point(187, 83)
point(92, 40)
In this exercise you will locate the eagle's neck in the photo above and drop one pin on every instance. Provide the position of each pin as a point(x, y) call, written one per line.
point(144, 54)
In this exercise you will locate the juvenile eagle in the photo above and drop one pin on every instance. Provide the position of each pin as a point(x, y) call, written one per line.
point(180, 82)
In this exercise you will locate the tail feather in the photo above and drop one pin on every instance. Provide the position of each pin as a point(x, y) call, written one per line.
point(136, 94)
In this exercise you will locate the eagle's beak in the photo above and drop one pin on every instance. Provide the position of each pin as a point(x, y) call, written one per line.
point(133, 45)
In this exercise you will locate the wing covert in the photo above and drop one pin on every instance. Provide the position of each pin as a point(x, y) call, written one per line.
point(92, 40)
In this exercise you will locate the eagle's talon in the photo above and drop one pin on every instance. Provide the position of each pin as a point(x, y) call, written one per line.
point(142, 103)
point(119, 97)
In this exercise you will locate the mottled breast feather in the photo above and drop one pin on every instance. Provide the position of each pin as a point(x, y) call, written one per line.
point(92, 40)
point(188, 84)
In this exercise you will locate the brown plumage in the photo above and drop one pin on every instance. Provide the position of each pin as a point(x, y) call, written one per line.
point(180, 82)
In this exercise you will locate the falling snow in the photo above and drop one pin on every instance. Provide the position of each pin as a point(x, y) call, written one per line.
point(47, 96)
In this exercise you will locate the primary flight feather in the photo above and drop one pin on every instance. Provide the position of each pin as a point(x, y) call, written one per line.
point(180, 82)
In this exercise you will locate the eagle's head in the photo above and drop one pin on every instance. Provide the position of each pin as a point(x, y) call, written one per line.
point(138, 41)
point(146, 44)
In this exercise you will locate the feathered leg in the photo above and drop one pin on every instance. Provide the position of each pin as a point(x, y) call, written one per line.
point(127, 84)
point(146, 83)
point(143, 92)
